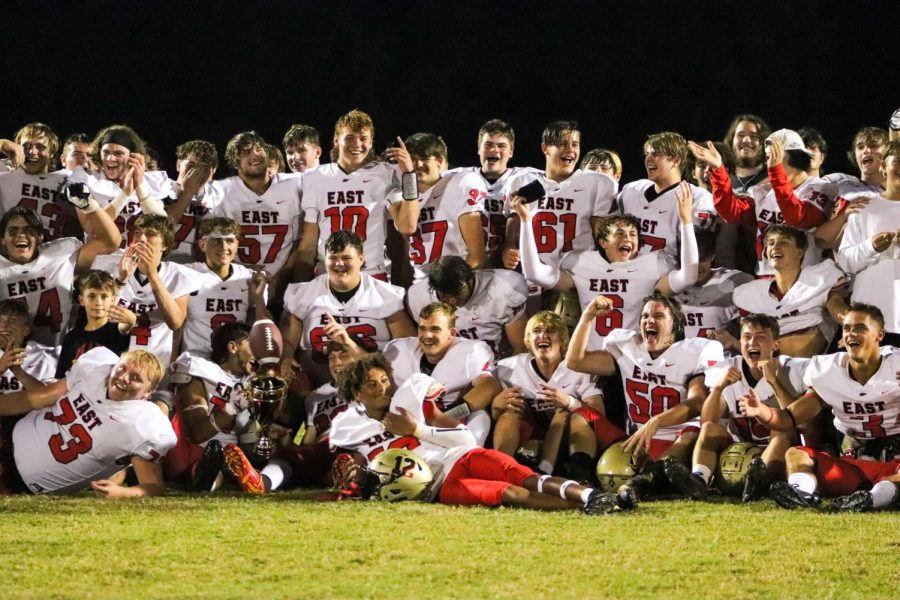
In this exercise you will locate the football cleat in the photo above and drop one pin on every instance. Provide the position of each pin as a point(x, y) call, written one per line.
point(858, 501)
point(208, 467)
point(756, 481)
point(787, 496)
point(243, 472)
point(600, 503)
point(683, 480)
point(626, 498)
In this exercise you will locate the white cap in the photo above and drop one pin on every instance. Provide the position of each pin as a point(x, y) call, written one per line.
point(790, 139)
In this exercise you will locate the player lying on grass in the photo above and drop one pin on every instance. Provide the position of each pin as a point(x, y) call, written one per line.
point(81, 430)
point(379, 419)
point(776, 380)
point(662, 375)
point(860, 385)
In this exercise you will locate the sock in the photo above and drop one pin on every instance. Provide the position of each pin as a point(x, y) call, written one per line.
point(275, 472)
point(545, 467)
point(586, 494)
point(703, 472)
point(540, 485)
point(803, 482)
point(564, 486)
point(884, 493)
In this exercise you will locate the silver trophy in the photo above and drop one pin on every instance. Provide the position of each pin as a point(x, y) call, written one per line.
point(266, 395)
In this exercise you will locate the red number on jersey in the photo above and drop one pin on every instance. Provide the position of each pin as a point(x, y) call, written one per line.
point(408, 442)
point(218, 320)
point(54, 217)
point(641, 408)
point(185, 227)
point(418, 253)
point(873, 427)
point(655, 243)
point(141, 330)
point(613, 319)
point(750, 430)
point(349, 218)
point(494, 230)
point(250, 247)
point(48, 312)
point(66, 451)
point(364, 335)
point(545, 233)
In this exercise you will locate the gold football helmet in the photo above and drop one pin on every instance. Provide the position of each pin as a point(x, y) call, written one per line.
point(404, 475)
point(733, 464)
point(615, 467)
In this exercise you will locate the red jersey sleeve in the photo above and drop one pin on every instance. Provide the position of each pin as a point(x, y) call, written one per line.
point(731, 208)
point(797, 213)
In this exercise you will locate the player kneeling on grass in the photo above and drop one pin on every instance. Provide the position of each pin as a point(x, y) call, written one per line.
point(542, 396)
point(81, 430)
point(662, 375)
point(776, 380)
point(211, 406)
point(860, 385)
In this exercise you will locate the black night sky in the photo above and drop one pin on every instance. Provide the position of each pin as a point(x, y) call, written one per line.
point(181, 70)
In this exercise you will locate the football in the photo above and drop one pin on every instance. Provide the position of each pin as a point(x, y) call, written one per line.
point(265, 342)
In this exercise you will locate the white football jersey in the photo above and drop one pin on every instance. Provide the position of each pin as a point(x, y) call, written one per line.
point(440, 208)
point(464, 361)
point(45, 286)
point(323, 405)
point(40, 193)
point(494, 217)
point(816, 192)
point(186, 227)
point(357, 202)
point(270, 223)
point(151, 332)
point(562, 219)
point(709, 306)
point(742, 428)
point(497, 300)
point(660, 224)
point(626, 283)
point(85, 436)
point(804, 304)
point(105, 191)
point(354, 430)
point(850, 187)
point(654, 385)
point(220, 386)
point(40, 363)
point(213, 303)
point(862, 411)
point(363, 316)
point(877, 279)
point(520, 370)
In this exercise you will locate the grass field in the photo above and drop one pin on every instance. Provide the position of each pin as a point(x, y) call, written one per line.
point(288, 546)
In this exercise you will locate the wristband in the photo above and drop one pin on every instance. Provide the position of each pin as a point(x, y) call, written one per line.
point(119, 281)
point(142, 191)
point(419, 430)
point(410, 186)
point(771, 416)
point(119, 202)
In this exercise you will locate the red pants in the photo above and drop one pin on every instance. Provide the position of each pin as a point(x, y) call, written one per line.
point(606, 432)
point(481, 476)
point(842, 476)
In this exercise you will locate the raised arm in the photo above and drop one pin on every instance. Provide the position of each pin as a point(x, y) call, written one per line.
point(731, 208)
point(686, 276)
point(595, 362)
point(546, 276)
